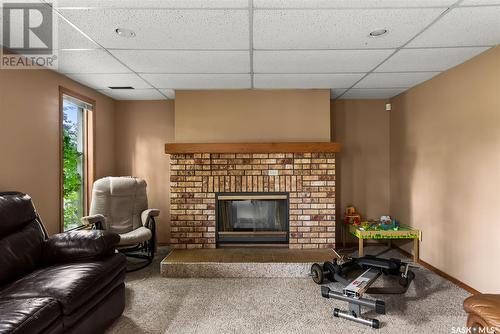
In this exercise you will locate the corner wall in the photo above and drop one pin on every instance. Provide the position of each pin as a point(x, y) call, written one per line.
point(141, 130)
point(362, 127)
point(445, 169)
point(29, 136)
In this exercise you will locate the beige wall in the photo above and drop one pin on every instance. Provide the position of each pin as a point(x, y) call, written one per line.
point(252, 116)
point(29, 136)
point(141, 130)
point(362, 127)
point(29, 131)
point(445, 169)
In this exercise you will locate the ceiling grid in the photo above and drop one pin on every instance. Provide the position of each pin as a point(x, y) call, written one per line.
point(402, 46)
point(269, 44)
point(250, 47)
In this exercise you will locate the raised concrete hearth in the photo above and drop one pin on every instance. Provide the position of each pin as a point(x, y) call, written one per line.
point(242, 262)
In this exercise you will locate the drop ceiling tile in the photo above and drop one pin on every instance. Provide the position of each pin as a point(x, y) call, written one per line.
point(65, 36)
point(338, 29)
point(70, 38)
point(154, 3)
point(479, 2)
point(336, 92)
point(199, 81)
point(350, 3)
point(89, 61)
point(439, 59)
point(2, 2)
point(133, 94)
point(163, 28)
point(305, 81)
point(464, 26)
point(103, 81)
point(320, 61)
point(170, 93)
point(366, 93)
point(394, 80)
point(162, 61)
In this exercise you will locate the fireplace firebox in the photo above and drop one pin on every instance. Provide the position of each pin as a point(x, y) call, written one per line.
point(252, 218)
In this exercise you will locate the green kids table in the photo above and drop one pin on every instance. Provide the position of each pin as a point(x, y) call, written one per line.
point(404, 232)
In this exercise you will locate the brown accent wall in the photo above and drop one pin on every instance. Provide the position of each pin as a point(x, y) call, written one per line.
point(29, 136)
point(252, 116)
point(362, 127)
point(445, 169)
point(141, 130)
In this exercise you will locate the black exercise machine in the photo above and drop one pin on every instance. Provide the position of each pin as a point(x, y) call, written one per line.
point(372, 267)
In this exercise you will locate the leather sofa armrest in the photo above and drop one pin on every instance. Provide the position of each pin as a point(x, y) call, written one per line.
point(96, 220)
point(79, 246)
point(483, 310)
point(146, 214)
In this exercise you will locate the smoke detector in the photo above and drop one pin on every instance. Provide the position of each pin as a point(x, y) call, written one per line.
point(378, 32)
point(126, 33)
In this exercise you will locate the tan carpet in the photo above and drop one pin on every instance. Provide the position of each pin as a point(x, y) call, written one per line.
point(271, 305)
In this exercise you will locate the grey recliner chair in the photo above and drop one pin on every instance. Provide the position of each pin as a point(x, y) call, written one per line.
point(120, 205)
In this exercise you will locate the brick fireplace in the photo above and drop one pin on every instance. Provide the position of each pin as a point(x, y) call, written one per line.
point(307, 178)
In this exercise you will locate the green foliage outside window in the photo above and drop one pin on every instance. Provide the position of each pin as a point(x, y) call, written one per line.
point(72, 179)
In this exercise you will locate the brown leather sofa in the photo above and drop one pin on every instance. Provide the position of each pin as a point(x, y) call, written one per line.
point(67, 283)
point(484, 312)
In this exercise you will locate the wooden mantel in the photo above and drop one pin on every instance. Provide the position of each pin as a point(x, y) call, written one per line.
point(293, 147)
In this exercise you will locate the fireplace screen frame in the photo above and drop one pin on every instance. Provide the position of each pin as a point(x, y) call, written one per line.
point(242, 239)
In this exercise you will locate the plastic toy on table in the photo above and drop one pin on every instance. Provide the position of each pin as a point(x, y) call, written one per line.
point(385, 224)
point(351, 216)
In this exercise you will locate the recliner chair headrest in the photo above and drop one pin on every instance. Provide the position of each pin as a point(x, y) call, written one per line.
point(119, 186)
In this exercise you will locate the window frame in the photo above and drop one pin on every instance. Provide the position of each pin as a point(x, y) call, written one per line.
point(88, 153)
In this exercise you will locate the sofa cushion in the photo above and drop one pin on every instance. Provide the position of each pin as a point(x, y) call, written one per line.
point(92, 304)
point(71, 284)
point(21, 237)
point(485, 306)
point(20, 253)
point(136, 236)
point(103, 314)
point(31, 315)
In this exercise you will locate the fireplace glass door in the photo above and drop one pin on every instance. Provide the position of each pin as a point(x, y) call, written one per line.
point(252, 218)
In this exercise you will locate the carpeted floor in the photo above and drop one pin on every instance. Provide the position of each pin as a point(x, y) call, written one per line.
point(261, 305)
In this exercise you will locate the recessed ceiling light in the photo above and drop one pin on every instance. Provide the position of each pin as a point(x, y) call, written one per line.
point(378, 32)
point(127, 33)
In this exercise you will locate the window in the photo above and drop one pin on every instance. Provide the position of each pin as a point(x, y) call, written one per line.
point(76, 176)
